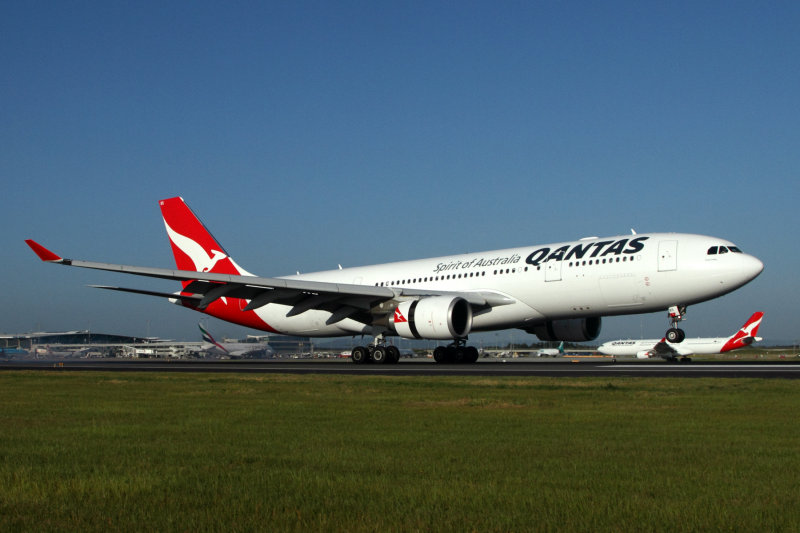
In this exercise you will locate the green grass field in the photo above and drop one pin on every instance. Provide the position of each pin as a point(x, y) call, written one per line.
point(198, 452)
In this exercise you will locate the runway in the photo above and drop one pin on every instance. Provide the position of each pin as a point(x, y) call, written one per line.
point(561, 368)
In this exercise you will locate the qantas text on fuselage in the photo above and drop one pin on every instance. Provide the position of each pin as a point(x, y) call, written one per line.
point(556, 291)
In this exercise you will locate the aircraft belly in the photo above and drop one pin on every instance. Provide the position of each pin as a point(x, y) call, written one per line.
point(565, 298)
point(310, 323)
point(504, 316)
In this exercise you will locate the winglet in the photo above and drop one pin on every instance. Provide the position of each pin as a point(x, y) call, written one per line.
point(43, 253)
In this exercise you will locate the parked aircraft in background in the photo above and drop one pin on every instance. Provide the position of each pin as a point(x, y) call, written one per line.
point(551, 352)
point(646, 348)
point(234, 350)
point(557, 291)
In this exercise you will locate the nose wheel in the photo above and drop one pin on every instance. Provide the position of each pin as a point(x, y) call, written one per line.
point(676, 314)
point(675, 335)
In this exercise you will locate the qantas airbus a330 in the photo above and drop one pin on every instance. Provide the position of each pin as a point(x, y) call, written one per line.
point(556, 291)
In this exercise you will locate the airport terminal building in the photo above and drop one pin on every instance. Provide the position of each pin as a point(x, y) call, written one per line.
point(91, 344)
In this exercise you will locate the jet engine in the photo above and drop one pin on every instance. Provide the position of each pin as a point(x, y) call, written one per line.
point(644, 354)
point(570, 330)
point(434, 317)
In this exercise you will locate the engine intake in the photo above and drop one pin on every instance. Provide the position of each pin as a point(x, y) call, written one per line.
point(569, 330)
point(434, 317)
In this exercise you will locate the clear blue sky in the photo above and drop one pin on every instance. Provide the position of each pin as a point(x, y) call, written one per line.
point(307, 134)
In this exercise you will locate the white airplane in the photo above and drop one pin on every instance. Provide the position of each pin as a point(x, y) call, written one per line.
point(646, 348)
point(556, 291)
point(233, 350)
point(551, 352)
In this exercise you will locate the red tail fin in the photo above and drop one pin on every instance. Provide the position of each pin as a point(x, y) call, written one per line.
point(746, 334)
point(195, 249)
point(193, 245)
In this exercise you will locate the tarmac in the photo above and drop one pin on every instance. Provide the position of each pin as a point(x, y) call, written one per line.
point(415, 367)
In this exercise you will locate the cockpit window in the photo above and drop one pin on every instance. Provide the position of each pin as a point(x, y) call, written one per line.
point(714, 250)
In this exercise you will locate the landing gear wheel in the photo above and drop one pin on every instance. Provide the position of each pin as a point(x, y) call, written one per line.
point(394, 354)
point(675, 335)
point(458, 354)
point(360, 355)
point(379, 355)
point(440, 354)
point(471, 354)
point(685, 359)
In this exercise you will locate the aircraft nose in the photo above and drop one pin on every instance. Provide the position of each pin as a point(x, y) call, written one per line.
point(754, 265)
point(751, 266)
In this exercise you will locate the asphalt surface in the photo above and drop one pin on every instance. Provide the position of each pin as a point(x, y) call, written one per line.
point(552, 368)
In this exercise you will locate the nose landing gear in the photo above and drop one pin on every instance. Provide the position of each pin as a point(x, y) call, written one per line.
point(676, 314)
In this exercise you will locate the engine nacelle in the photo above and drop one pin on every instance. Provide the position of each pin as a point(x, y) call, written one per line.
point(569, 330)
point(434, 317)
point(644, 354)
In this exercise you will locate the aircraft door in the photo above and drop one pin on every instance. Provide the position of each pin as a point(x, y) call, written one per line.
point(552, 270)
point(667, 255)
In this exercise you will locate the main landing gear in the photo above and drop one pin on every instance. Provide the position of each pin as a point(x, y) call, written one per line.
point(456, 352)
point(381, 353)
point(676, 314)
point(377, 352)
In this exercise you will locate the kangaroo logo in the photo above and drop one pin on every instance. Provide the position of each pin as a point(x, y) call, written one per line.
point(203, 262)
point(748, 329)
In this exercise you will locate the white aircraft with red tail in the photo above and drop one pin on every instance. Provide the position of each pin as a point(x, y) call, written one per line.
point(647, 348)
point(556, 291)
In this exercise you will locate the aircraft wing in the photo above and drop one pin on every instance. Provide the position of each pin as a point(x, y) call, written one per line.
point(668, 351)
point(203, 288)
point(664, 349)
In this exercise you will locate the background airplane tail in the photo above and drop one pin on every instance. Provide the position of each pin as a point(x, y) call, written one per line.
point(193, 245)
point(746, 334)
point(209, 339)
